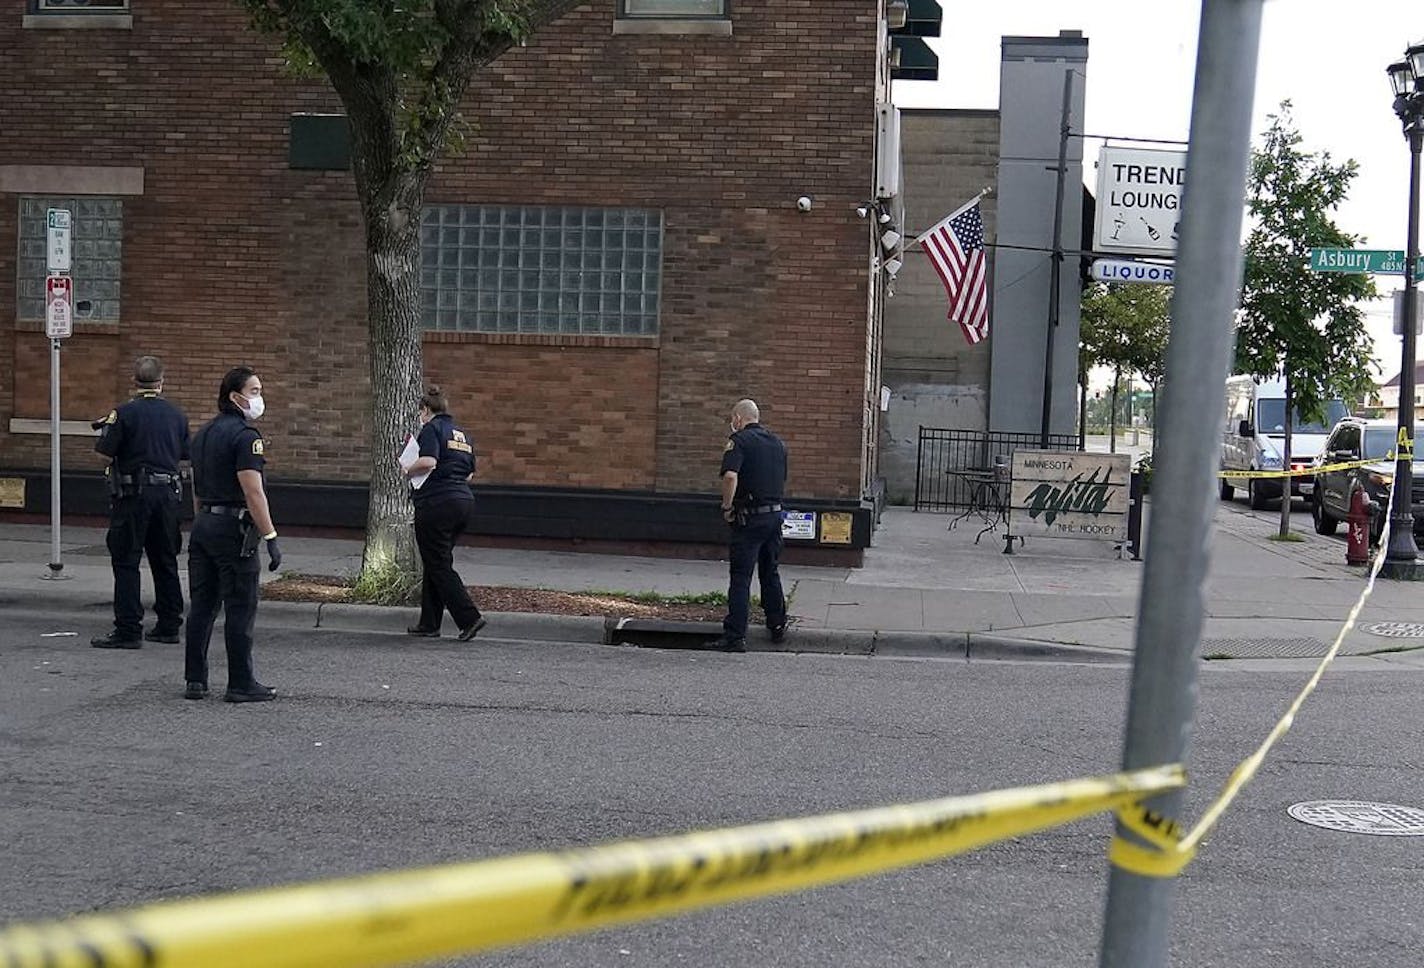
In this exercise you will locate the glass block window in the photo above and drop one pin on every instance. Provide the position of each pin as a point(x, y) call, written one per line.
point(672, 8)
point(66, 6)
point(98, 231)
point(541, 269)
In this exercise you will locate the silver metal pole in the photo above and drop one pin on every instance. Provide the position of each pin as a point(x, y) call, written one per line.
point(55, 565)
point(1162, 703)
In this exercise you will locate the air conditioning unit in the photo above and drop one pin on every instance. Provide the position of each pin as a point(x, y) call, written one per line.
point(887, 150)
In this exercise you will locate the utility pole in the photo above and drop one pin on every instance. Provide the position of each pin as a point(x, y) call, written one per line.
point(1055, 267)
point(1162, 703)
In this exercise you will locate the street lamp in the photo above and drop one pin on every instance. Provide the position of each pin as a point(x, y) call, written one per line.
point(1401, 559)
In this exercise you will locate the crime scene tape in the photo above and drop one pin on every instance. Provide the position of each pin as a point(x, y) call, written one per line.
point(397, 918)
point(1303, 472)
point(1164, 850)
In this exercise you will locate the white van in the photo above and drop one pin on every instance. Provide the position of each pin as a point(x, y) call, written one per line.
point(1254, 438)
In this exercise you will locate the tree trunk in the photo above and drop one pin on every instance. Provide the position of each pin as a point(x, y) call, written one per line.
point(1112, 414)
point(393, 318)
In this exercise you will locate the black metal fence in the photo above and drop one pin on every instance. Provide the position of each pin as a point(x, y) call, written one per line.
point(943, 452)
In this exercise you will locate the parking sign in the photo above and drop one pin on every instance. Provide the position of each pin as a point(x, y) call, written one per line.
point(58, 236)
point(59, 307)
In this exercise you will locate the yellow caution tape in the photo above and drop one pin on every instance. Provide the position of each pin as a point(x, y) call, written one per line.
point(439, 912)
point(1166, 851)
point(1303, 472)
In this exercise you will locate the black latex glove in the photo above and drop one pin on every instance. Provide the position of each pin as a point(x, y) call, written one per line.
point(274, 555)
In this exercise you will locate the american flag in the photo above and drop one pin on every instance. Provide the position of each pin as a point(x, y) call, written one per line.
point(956, 250)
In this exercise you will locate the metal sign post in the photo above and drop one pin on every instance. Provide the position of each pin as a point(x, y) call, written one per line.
point(59, 325)
point(1172, 612)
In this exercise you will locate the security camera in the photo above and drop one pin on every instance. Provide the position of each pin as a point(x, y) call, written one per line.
point(803, 204)
point(862, 211)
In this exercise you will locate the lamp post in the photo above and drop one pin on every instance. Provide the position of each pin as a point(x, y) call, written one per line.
point(1401, 559)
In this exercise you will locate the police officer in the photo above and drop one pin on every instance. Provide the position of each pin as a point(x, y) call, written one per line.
point(232, 519)
point(144, 440)
point(443, 503)
point(753, 482)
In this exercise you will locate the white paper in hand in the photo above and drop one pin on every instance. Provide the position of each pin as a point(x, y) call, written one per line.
point(409, 454)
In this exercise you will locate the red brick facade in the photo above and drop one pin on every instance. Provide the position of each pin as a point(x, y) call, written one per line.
point(231, 256)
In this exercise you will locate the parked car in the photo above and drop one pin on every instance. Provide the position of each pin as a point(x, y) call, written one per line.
point(1356, 439)
point(1254, 438)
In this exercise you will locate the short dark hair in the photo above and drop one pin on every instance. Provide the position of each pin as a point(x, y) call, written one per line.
point(148, 371)
point(233, 382)
point(433, 399)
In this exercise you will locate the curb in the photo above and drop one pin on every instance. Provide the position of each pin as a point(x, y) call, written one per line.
point(626, 632)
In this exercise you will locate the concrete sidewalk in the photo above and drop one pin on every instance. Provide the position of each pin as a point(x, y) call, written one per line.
point(925, 589)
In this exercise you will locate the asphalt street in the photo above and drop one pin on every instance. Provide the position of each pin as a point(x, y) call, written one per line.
point(384, 753)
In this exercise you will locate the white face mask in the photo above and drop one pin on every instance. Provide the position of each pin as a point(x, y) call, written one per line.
point(255, 407)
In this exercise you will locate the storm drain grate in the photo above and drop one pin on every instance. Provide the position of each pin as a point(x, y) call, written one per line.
point(1357, 817)
point(1297, 648)
point(1397, 630)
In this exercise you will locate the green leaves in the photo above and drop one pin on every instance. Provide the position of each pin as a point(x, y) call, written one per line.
point(1303, 324)
point(1126, 327)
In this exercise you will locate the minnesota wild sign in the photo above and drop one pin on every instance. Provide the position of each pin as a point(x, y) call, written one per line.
point(1068, 494)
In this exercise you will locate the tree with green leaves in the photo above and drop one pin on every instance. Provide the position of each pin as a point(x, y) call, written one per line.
point(401, 71)
point(1125, 327)
point(1302, 326)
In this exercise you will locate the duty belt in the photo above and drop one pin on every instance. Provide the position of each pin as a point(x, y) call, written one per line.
point(148, 478)
point(762, 508)
point(231, 510)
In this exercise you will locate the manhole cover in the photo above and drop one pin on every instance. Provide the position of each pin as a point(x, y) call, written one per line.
point(1397, 630)
point(1356, 817)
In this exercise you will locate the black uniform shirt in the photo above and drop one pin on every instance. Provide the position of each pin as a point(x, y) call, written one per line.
point(148, 432)
point(226, 444)
point(454, 458)
point(759, 458)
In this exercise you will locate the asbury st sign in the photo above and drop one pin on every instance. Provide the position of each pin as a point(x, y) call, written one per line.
point(1069, 494)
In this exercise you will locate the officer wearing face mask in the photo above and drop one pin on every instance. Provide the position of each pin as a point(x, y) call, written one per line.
point(144, 440)
point(231, 520)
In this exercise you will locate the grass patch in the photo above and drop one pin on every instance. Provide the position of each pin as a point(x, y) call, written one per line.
point(1288, 536)
point(386, 584)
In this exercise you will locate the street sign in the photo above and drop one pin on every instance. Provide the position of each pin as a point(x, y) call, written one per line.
point(58, 237)
point(1383, 262)
point(59, 307)
point(1126, 270)
point(1139, 200)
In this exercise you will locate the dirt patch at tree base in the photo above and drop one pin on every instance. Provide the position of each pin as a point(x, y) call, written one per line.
point(499, 598)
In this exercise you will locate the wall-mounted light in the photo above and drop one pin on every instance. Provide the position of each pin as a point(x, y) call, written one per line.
point(897, 12)
point(862, 211)
point(893, 267)
point(890, 239)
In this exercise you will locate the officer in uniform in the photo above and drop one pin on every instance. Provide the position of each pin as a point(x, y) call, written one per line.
point(445, 468)
point(753, 483)
point(232, 519)
point(144, 440)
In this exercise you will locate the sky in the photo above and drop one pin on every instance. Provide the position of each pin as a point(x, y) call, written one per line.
point(1328, 57)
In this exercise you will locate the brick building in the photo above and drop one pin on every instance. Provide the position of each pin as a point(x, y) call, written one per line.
point(617, 255)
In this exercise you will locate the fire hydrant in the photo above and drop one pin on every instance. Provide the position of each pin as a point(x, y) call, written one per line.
point(1357, 545)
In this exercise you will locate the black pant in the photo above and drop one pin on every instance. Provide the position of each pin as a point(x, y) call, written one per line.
point(147, 522)
point(439, 521)
point(220, 578)
point(755, 544)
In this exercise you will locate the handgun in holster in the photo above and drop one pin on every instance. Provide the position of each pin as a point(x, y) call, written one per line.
point(250, 538)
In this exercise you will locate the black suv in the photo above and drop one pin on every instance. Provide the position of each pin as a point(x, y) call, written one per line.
point(1355, 439)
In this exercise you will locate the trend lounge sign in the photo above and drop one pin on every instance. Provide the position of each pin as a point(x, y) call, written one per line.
point(1139, 200)
point(1068, 494)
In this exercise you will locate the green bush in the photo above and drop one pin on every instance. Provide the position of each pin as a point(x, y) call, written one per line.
point(1144, 467)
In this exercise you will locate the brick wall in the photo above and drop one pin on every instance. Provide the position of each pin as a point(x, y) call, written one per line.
point(229, 256)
